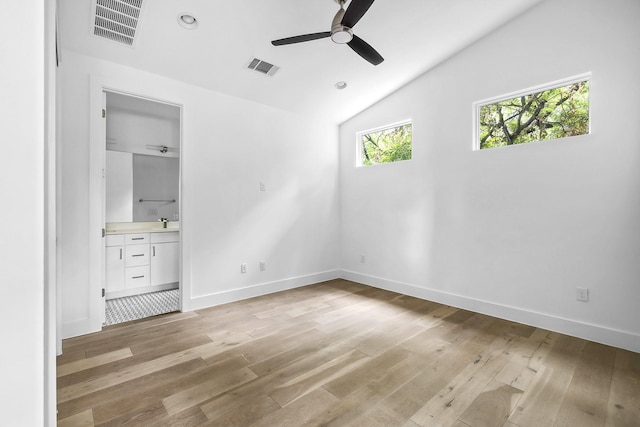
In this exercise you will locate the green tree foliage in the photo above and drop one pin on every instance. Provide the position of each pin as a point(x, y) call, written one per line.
point(550, 114)
point(387, 145)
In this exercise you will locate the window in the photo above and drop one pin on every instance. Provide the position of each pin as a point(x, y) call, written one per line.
point(553, 112)
point(385, 145)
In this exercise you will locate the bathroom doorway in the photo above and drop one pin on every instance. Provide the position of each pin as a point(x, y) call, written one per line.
point(141, 207)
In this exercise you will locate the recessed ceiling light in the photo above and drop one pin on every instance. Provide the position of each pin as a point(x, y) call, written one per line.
point(341, 85)
point(187, 21)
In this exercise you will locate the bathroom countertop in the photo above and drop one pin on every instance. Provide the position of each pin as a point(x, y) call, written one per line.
point(141, 227)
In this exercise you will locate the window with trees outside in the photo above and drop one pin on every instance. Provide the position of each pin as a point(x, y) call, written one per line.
point(385, 145)
point(550, 113)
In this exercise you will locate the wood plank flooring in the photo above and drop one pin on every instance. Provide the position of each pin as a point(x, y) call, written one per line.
point(340, 353)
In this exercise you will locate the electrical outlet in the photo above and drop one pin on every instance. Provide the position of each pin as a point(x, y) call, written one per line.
point(582, 294)
point(363, 259)
point(152, 212)
point(263, 187)
point(263, 265)
point(243, 268)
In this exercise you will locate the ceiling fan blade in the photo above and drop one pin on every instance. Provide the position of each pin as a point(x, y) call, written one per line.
point(302, 38)
point(355, 11)
point(365, 50)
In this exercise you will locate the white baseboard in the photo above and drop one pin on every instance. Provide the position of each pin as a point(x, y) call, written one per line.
point(142, 290)
point(260, 289)
point(597, 333)
point(79, 327)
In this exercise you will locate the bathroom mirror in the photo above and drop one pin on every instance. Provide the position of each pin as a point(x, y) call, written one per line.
point(140, 187)
point(142, 159)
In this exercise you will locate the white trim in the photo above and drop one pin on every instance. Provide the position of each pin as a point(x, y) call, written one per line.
point(528, 91)
point(51, 339)
point(609, 336)
point(359, 134)
point(96, 205)
point(614, 337)
point(100, 84)
point(261, 289)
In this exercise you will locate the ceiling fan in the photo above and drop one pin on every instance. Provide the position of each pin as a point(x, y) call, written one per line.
point(341, 31)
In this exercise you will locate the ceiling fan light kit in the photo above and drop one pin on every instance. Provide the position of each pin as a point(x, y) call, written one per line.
point(342, 31)
point(342, 36)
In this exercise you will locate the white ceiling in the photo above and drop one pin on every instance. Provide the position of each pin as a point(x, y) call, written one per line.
point(412, 35)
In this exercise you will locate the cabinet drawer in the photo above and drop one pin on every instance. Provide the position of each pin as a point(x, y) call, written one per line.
point(136, 277)
point(135, 239)
point(136, 255)
point(114, 240)
point(166, 237)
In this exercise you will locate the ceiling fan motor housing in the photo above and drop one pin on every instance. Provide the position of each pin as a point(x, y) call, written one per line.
point(339, 33)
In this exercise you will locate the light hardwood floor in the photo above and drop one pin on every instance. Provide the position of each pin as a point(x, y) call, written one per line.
point(341, 353)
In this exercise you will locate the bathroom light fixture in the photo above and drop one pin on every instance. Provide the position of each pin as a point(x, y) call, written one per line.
point(341, 85)
point(187, 21)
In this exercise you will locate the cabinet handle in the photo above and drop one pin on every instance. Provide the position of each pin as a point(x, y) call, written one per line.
point(154, 251)
point(137, 238)
point(120, 253)
point(137, 255)
point(137, 277)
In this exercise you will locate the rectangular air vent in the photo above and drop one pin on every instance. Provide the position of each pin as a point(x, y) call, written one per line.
point(262, 67)
point(117, 20)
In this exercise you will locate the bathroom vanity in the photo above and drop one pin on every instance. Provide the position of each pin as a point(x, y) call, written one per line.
point(141, 257)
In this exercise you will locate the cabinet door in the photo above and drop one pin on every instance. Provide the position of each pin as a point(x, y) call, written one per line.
point(114, 268)
point(164, 263)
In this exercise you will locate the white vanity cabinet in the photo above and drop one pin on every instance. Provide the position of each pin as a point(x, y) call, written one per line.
point(165, 253)
point(141, 262)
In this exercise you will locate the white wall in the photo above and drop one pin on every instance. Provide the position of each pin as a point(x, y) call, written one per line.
point(229, 146)
point(134, 131)
point(25, 360)
point(511, 231)
point(118, 186)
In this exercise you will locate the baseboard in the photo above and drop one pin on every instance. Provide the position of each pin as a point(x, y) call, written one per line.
point(142, 290)
point(260, 289)
point(78, 327)
point(597, 333)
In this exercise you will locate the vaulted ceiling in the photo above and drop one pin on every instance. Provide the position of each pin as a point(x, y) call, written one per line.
point(412, 36)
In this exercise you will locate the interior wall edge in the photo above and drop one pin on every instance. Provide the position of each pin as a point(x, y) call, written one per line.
point(588, 331)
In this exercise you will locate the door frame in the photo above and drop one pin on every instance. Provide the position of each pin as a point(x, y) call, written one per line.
point(99, 85)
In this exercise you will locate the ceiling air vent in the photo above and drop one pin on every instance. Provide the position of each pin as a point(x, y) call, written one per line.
point(117, 20)
point(263, 67)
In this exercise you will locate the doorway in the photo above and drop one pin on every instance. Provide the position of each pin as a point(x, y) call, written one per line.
point(141, 207)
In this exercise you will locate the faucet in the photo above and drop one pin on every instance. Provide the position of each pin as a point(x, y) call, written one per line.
point(164, 222)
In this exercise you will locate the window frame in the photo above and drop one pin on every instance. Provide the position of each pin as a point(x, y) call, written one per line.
point(528, 91)
point(359, 147)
